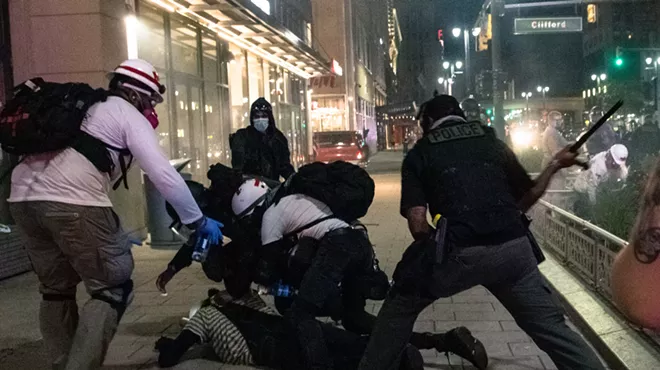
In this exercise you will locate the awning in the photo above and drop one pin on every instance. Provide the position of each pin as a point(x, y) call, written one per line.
point(245, 24)
point(398, 111)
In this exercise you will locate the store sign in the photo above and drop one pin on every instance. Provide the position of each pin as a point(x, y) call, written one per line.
point(323, 81)
point(527, 26)
point(263, 5)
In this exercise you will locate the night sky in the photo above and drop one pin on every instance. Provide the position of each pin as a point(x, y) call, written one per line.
point(549, 60)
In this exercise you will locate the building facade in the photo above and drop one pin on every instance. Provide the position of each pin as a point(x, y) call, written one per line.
point(625, 31)
point(214, 57)
point(354, 34)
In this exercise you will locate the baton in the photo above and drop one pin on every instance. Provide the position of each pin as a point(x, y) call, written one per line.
point(575, 147)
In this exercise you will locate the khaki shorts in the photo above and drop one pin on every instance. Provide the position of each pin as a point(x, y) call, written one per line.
point(68, 244)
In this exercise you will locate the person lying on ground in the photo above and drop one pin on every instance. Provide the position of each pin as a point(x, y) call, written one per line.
point(246, 331)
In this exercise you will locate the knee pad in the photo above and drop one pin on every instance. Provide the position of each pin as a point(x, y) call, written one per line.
point(58, 297)
point(121, 304)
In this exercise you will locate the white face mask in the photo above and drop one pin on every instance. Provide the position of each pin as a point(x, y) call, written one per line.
point(261, 124)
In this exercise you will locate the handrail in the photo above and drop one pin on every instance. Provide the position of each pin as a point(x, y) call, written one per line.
point(585, 223)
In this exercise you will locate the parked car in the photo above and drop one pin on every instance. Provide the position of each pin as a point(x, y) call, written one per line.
point(346, 146)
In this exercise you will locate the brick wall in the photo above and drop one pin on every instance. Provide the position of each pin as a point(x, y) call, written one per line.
point(14, 258)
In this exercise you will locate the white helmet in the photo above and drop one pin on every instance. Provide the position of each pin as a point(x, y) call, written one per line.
point(619, 153)
point(144, 73)
point(249, 196)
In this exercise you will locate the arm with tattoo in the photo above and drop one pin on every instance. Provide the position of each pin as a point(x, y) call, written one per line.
point(636, 270)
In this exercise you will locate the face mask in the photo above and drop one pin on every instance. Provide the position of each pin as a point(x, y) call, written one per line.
point(261, 124)
point(152, 116)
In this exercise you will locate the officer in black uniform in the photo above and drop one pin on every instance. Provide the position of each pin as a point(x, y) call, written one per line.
point(471, 109)
point(481, 238)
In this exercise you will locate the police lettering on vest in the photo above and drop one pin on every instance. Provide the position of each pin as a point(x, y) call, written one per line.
point(456, 132)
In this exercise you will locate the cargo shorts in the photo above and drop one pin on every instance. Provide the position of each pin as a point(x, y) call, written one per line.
point(68, 244)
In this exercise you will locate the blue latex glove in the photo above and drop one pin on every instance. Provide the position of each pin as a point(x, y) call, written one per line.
point(211, 230)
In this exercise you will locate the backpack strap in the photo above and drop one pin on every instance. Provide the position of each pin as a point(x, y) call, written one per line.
point(122, 165)
point(252, 206)
point(308, 226)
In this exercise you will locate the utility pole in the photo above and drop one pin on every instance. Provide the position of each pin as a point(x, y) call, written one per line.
point(497, 10)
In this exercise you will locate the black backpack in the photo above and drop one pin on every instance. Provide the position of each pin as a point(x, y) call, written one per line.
point(346, 188)
point(45, 116)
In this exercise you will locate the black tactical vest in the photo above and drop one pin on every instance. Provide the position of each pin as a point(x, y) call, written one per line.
point(465, 181)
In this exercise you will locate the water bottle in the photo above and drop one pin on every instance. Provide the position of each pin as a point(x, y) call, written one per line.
point(201, 250)
point(278, 290)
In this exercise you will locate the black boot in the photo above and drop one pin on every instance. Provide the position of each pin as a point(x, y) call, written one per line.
point(461, 342)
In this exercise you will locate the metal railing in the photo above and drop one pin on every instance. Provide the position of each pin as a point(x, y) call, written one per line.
point(583, 247)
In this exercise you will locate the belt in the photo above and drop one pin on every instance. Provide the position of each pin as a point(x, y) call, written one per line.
point(340, 232)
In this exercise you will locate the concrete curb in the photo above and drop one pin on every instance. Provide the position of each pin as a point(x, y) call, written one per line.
point(620, 346)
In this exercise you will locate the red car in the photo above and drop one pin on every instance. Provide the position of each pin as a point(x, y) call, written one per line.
point(346, 146)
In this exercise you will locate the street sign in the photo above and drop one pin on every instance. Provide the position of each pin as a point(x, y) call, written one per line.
point(529, 26)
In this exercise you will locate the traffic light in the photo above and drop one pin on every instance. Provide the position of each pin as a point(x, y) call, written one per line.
point(489, 112)
point(618, 61)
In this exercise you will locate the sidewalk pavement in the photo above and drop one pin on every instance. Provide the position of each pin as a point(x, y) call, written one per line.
point(152, 315)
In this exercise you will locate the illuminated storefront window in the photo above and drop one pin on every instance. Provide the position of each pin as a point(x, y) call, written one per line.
point(329, 114)
point(238, 88)
point(211, 85)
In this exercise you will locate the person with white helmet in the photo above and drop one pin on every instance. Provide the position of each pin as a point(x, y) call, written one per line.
point(236, 202)
point(60, 203)
point(605, 166)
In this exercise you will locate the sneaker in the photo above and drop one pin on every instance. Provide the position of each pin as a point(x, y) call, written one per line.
point(461, 342)
point(412, 359)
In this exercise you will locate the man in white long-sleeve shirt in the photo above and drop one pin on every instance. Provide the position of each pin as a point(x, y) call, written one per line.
point(609, 165)
point(61, 206)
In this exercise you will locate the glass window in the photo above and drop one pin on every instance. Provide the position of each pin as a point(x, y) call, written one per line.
point(182, 139)
point(184, 47)
point(256, 77)
point(151, 37)
point(287, 87)
point(238, 88)
point(198, 166)
point(214, 125)
point(210, 57)
point(163, 130)
point(226, 122)
point(266, 80)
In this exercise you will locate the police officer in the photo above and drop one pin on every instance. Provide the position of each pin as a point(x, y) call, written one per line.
point(604, 138)
point(471, 108)
point(481, 238)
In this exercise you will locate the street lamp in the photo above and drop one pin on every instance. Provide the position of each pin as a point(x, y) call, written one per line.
point(527, 95)
point(466, 40)
point(656, 65)
point(599, 78)
point(543, 90)
point(451, 66)
point(441, 80)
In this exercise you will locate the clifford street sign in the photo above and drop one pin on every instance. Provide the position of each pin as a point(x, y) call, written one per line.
point(529, 26)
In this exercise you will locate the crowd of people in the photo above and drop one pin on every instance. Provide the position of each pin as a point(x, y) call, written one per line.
point(312, 255)
point(608, 156)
